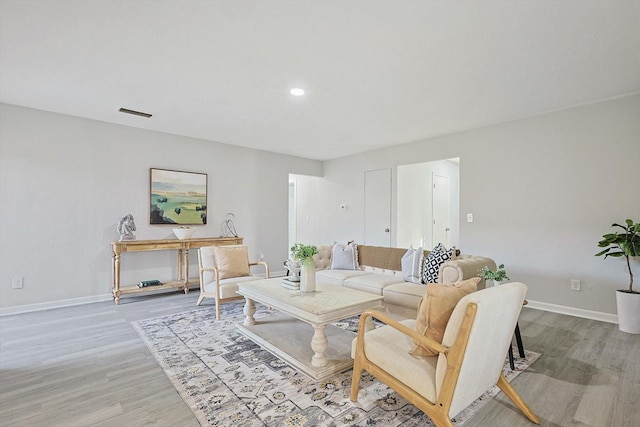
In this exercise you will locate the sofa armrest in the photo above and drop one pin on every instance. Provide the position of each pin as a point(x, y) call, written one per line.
point(464, 268)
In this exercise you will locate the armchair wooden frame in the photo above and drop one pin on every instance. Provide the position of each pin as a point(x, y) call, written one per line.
point(217, 294)
point(438, 411)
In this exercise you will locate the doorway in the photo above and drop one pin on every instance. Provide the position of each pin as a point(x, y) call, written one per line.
point(426, 216)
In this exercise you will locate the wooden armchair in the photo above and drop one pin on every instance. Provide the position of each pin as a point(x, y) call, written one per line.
point(470, 359)
point(221, 268)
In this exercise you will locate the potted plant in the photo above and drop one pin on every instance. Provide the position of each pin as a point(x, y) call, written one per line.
point(625, 243)
point(305, 254)
point(498, 276)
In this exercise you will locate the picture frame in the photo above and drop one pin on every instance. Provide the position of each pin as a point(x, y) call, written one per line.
point(177, 197)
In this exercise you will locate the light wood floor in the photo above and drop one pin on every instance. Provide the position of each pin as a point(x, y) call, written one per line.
point(86, 366)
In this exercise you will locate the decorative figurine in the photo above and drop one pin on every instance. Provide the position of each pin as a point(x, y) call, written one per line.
point(227, 227)
point(126, 226)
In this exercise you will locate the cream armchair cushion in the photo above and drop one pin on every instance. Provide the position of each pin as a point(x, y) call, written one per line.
point(232, 261)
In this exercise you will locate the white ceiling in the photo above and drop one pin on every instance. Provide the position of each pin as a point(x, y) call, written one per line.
point(376, 73)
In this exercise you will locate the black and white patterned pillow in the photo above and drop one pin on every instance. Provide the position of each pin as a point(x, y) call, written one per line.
point(433, 261)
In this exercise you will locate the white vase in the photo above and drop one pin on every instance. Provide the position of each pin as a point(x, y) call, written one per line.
point(308, 276)
point(628, 305)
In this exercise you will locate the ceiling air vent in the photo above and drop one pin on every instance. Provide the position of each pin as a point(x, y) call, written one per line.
point(135, 113)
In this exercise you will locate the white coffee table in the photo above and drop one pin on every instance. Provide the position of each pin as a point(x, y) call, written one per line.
point(287, 334)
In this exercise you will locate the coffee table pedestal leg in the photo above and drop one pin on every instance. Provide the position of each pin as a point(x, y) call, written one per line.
point(319, 345)
point(249, 310)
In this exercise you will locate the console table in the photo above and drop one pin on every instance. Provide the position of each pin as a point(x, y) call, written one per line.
point(182, 246)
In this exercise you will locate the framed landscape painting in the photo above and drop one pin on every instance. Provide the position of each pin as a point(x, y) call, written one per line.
point(177, 197)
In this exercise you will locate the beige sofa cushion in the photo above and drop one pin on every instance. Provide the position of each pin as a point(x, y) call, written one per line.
point(434, 313)
point(372, 283)
point(337, 277)
point(404, 294)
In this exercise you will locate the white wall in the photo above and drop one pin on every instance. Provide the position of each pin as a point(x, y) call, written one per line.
point(65, 182)
point(543, 190)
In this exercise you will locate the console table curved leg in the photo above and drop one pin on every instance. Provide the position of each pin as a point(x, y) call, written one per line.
point(115, 276)
point(186, 268)
point(249, 310)
point(319, 344)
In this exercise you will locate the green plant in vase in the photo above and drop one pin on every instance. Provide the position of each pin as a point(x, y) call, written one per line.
point(625, 243)
point(497, 276)
point(305, 254)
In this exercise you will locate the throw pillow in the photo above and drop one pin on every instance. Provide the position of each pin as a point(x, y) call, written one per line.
point(436, 309)
point(411, 263)
point(345, 257)
point(433, 261)
point(232, 261)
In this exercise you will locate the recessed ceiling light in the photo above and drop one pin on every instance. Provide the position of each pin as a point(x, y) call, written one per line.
point(296, 91)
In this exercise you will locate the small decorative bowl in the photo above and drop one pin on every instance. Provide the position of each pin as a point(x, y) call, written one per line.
point(183, 232)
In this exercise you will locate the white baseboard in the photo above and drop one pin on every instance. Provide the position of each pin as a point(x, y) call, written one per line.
point(8, 311)
point(280, 273)
point(572, 311)
point(537, 305)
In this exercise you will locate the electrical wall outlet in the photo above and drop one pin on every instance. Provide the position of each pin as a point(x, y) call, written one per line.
point(17, 282)
point(469, 217)
point(575, 285)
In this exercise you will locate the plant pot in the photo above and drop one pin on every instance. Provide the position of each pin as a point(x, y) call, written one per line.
point(628, 305)
point(308, 276)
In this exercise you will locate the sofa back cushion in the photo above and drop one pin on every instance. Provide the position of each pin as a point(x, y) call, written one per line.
point(382, 257)
point(322, 259)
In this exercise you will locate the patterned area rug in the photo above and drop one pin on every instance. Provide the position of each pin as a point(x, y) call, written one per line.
point(227, 380)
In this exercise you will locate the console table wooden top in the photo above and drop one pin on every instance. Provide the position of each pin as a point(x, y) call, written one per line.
point(164, 244)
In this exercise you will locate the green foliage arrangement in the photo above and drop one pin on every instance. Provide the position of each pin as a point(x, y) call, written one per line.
point(499, 275)
point(302, 252)
point(622, 244)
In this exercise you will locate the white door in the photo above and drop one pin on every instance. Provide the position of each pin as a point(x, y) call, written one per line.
point(440, 197)
point(377, 207)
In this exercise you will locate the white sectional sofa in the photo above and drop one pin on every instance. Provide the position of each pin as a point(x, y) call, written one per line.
point(381, 273)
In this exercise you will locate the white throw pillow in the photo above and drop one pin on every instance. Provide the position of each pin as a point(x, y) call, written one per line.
point(345, 257)
point(411, 265)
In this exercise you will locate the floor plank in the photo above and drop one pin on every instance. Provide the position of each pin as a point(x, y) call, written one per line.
point(86, 366)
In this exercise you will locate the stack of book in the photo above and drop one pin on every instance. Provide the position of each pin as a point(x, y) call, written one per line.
point(146, 283)
point(286, 283)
